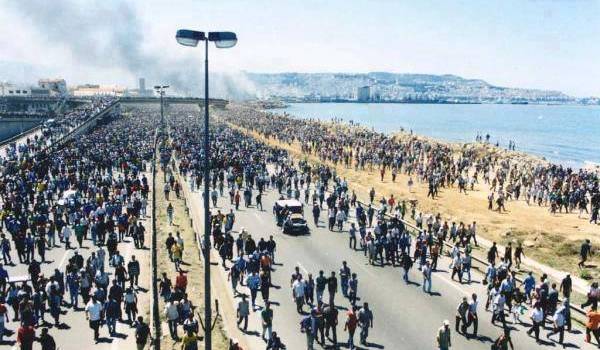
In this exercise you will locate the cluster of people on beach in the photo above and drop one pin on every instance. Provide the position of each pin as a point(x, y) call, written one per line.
point(432, 163)
point(86, 201)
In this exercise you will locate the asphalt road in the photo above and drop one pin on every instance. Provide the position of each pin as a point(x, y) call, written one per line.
point(74, 332)
point(404, 316)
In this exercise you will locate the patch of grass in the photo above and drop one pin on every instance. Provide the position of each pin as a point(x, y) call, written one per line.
point(585, 274)
point(567, 249)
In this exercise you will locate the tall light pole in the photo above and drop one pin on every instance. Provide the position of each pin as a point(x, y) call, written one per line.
point(161, 90)
point(222, 40)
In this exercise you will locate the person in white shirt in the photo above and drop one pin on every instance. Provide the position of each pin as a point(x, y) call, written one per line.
point(537, 318)
point(559, 324)
point(67, 233)
point(472, 318)
point(498, 309)
point(172, 316)
point(298, 293)
point(93, 312)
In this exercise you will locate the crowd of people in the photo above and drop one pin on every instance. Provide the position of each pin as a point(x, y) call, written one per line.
point(241, 166)
point(433, 163)
point(54, 130)
point(86, 201)
point(92, 193)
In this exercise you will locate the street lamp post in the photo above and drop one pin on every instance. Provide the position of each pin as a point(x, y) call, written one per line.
point(223, 40)
point(161, 90)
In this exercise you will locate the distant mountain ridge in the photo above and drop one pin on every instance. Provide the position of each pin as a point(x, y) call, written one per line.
point(389, 87)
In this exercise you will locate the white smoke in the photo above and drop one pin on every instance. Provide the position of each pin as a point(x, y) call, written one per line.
point(109, 34)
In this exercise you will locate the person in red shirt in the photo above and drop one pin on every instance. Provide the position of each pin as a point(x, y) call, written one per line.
point(3, 320)
point(350, 326)
point(591, 326)
point(25, 337)
point(181, 281)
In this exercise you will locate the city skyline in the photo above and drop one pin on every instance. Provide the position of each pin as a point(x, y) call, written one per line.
point(531, 44)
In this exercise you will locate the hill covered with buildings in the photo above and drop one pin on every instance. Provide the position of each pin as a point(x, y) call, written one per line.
point(397, 87)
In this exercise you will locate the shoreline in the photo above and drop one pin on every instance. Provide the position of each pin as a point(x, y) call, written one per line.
point(490, 148)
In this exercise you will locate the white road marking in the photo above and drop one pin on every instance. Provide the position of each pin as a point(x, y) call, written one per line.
point(301, 267)
point(64, 258)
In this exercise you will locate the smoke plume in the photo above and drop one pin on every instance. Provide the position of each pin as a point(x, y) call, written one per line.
point(109, 34)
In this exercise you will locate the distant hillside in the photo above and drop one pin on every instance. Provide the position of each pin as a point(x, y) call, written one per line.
point(386, 86)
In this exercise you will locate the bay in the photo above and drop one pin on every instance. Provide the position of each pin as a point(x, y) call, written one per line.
point(565, 134)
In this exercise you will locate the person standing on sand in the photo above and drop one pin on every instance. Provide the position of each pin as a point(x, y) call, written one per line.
point(518, 254)
point(585, 251)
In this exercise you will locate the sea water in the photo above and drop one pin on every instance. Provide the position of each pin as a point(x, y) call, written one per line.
point(564, 134)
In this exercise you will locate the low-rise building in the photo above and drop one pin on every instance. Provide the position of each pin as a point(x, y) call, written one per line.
point(55, 86)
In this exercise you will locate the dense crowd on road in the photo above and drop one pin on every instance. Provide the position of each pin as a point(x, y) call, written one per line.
point(85, 201)
point(242, 168)
point(433, 163)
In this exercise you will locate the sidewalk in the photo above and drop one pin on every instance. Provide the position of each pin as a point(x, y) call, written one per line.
point(193, 265)
point(221, 287)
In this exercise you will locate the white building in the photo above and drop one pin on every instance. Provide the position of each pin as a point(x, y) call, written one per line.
point(10, 89)
point(97, 90)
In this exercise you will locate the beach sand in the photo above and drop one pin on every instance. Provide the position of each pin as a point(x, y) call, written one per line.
point(553, 240)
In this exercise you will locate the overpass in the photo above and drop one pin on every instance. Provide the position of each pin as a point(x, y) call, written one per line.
point(38, 106)
point(111, 110)
point(215, 102)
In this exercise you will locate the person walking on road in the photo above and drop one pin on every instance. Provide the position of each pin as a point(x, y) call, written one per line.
point(142, 333)
point(298, 290)
point(503, 341)
point(353, 289)
point(537, 321)
point(253, 283)
point(472, 318)
point(170, 211)
point(243, 310)
point(332, 287)
point(320, 284)
point(426, 277)
point(444, 341)
point(172, 316)
point(591, 326)
point(330, 317)
point(344, 277)
point(93, 312)
point(365, 321)
point(406, 266)
point(25, 337)
point(46, 340)
point(190, 341)
point(308, 326)
point(266, 316)
point(275, 343)
point(350, 326)
point(558, 323)
point(461, 316)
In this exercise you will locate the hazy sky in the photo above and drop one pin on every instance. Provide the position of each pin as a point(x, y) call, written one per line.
point(536, 44)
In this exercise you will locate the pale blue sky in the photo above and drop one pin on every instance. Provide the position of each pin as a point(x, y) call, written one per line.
point(536, 44)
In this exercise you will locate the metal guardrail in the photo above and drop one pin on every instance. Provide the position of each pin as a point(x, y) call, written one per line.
point(82, 127)
point(18, 136)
